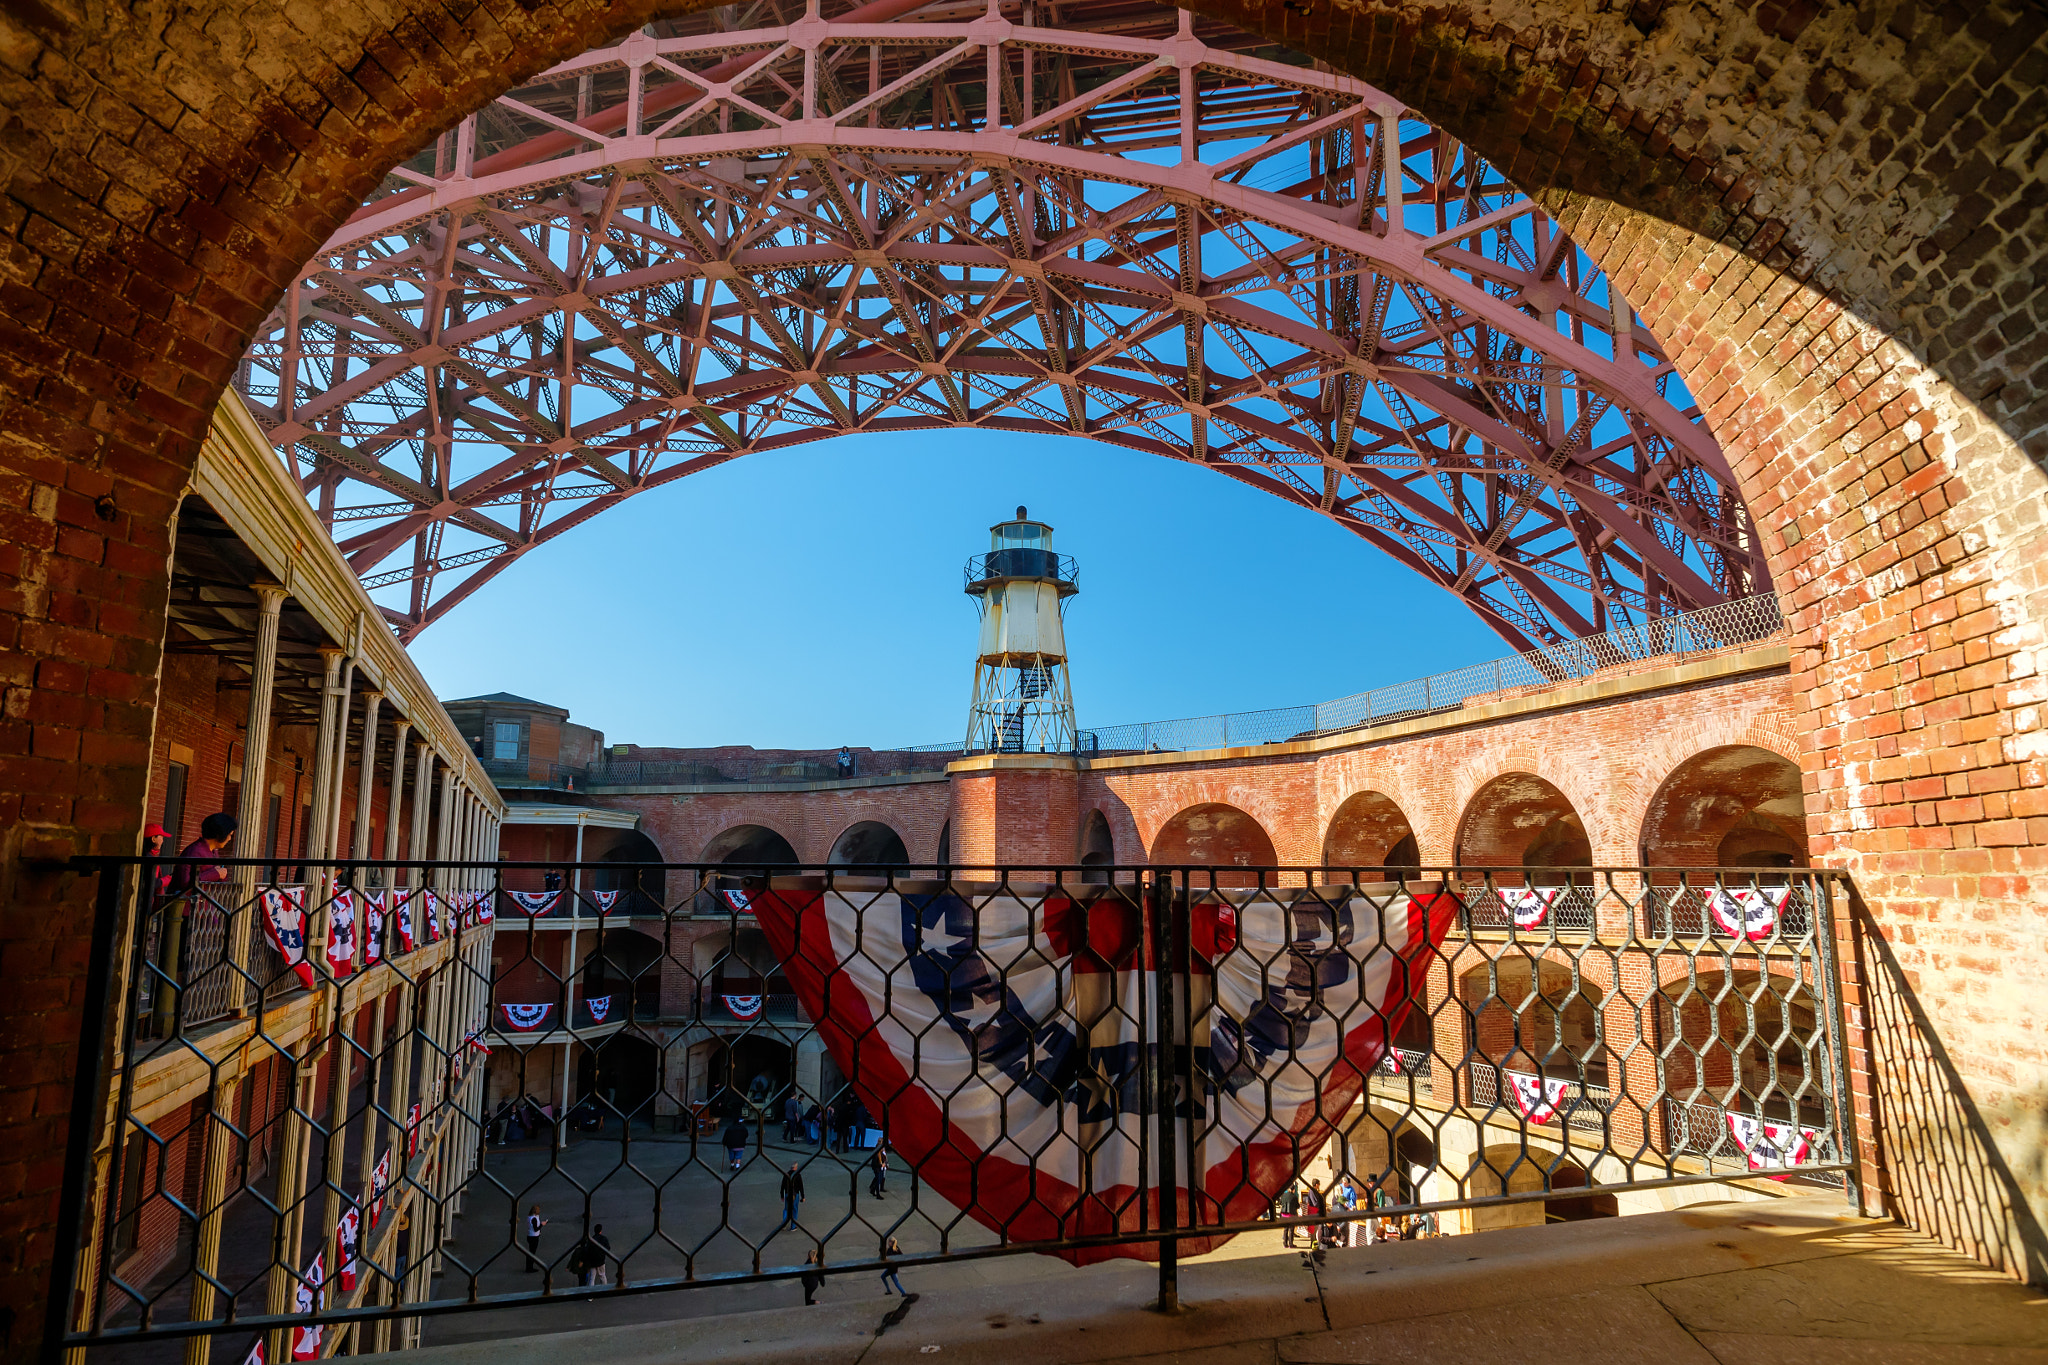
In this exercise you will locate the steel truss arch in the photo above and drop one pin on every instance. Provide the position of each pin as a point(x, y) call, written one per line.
point(688, 247)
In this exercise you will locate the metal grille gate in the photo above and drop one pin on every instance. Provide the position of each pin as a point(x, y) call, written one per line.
point(312, 1149)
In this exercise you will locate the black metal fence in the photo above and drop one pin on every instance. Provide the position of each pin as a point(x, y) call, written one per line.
point(819, 1070)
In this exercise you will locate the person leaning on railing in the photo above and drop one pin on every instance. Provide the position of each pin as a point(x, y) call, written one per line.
point(175, 891)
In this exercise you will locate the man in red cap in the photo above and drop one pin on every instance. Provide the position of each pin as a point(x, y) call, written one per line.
point(153, 847)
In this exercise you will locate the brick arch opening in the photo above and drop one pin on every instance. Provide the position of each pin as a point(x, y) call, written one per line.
point(1519, 819)
point(752, 844)
point(1215, 835)
point(868, 843)
point(1370, 830)
point(1738, 1041)
point(1528, 1015)
point(1729, 806)
point(1871, 381)
point(1506, 1168)
point(1098, 847)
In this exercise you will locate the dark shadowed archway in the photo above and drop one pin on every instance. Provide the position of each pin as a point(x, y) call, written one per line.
point(869, 843)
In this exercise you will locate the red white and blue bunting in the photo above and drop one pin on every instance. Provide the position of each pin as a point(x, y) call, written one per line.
point(738, 901)
point(1748, 912)
point(284, 924)
point(341, 932)
point(256, 1354)
point(743, 1007)
point(526, 1018)
point(604, 900)
point(380, 1181)
point(1538, 1097)
point(402, 903)
point(412, 1130)
point(373, 928)
point(1771, 1146)
point(346, 1234)
point(599, 1007)
point(310, 1295)
point(535, 903)
point(1529, 909)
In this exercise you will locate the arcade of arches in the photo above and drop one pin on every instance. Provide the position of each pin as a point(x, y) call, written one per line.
point(1831, 214)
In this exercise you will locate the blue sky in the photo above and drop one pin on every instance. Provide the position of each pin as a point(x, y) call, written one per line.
point(813, 597)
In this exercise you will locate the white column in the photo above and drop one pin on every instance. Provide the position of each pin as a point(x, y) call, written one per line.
point(344, 699)
point(323, 755)
point(366, 766)
point(255, 765)
point(396, 801)
point(422, 809)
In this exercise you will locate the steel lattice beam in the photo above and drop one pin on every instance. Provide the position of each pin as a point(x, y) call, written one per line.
point(665, 254)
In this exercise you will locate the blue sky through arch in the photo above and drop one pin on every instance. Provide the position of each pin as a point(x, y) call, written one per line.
point(812, 597)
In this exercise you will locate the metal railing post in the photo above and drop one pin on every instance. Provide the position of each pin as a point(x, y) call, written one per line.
point(1163, 1040)
point(1847, 1138)
point(88, 1086)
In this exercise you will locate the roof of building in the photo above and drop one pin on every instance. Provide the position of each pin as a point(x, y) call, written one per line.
point(506, 699)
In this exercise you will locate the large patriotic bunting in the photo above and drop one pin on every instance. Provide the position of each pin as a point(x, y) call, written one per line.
point(309, 1296)
point(341, 932)
point(1538, 1097)
point(373, 928)
point(284, 924)
point(256, 1354)
point(1771, 1146)
point(998, 1039)
point(599, 1007)
point(1747, 912)
point(527, 1017)
point(742, 1006)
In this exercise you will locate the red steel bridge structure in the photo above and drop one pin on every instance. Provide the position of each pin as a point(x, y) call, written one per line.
point(767, 224)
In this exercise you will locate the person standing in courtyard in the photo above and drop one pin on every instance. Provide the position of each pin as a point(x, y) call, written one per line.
point(1290, 1209)
point(736, 1142)
point(878, 1164)
point(792, 1119)
point(890, 1283)
point(813, 1276)
point(534, 1223)
point(600, 1272)
point(792, 1195)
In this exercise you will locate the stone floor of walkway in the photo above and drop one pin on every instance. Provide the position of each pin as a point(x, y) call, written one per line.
point(1795, 1282)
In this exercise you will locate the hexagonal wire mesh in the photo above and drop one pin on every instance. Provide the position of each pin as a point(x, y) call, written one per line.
point(727, 1067)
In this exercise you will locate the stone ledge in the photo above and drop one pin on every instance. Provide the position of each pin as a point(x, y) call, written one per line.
point(1766, 1279)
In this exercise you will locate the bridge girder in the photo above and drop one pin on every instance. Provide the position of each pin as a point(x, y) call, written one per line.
point(672, 252)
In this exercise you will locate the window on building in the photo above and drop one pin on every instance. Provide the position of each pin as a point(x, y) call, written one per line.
point(505, 740)
point(174, 807)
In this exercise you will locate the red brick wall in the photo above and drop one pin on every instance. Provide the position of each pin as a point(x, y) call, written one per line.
point(681, 826)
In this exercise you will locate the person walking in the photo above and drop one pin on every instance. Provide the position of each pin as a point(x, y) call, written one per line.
point(878, 1165)
point(890, 1283)
point(792, 1119)
point(813, 1276)
point(600, 1271)
point(1312, 1207)
point(1290, 1209)
point(792, 1195)
point(534, 1223)
point(736, 1142)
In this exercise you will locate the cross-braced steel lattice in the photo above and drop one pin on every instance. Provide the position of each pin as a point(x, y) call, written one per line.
point(687, 247)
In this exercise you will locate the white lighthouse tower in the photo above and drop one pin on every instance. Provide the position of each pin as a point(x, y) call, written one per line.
point(1022, 703)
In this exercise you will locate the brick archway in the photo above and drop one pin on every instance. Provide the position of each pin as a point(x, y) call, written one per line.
point(1828, 210)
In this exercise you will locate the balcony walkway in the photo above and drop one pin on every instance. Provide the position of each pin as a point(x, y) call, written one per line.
point(1794, 1282)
